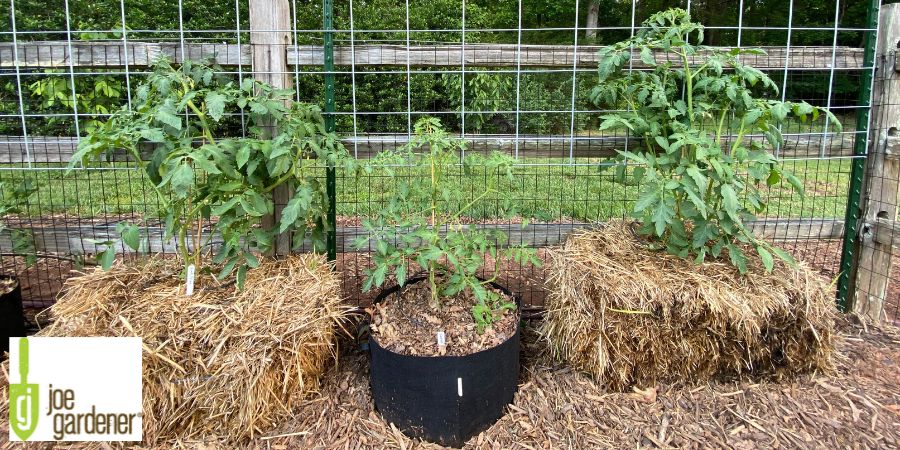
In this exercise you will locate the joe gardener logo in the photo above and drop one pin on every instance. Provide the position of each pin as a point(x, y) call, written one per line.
point(75, 389)
point(23, 398)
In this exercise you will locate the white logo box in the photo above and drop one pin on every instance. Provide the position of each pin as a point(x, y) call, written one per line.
point(92, 375)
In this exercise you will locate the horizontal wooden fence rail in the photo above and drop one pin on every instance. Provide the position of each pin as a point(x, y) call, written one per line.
point(58, 150)
point(81, 239)
point(117, 54)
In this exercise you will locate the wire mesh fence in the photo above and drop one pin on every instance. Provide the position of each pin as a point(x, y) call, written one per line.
point(509, 76)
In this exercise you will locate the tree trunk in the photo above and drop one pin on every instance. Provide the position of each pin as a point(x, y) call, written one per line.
point(593, 15)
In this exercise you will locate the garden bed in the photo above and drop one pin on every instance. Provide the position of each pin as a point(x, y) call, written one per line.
point(41, 283)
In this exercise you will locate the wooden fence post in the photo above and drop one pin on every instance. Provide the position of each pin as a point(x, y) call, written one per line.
point(270, 38)
point(879, 234)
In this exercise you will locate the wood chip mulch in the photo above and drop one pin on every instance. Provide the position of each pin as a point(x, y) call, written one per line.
point(856, 407)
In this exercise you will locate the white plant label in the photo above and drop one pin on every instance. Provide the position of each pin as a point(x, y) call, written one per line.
point(459, 386)
point(441, 338)
point(189, 285)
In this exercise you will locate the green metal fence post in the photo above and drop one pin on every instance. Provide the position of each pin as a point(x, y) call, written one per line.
point(851, 216)
point(331, 182)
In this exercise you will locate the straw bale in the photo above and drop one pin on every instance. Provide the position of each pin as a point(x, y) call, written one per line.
point(223, 363)
point(630, 315)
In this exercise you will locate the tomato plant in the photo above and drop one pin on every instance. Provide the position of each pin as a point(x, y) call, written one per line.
point(698, 186)
point(421, 223)
point(225, 183)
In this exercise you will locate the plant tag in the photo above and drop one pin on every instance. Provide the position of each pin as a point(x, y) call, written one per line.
point(189, 285)
point(459, 386)
point(441, 338)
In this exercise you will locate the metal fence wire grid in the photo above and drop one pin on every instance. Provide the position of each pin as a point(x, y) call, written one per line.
point(509, 76)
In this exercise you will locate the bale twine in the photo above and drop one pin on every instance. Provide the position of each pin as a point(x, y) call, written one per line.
point(630, 315)
point(221, 364)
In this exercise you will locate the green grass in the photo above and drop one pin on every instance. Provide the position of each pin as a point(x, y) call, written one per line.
point(813, 127)
point(556, 190)
point(541, 190)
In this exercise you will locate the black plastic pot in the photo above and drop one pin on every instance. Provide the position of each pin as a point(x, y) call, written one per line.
point(12, 319)
point(444, 399)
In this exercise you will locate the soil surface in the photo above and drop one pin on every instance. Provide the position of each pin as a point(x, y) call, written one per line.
point(404, 323)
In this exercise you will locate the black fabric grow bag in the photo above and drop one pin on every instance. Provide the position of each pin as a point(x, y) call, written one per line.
point(421, 394)
point(12, 319)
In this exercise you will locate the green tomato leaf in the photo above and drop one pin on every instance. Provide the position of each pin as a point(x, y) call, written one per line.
point(215, 104)
point(182, 179)
point(291, 212)
point(662, 142)
point(699, 179)
point(242, 156)
point(662, 215)
point(795, 182)
point(647, 199)
point(379, 274)
point(108, 257)
point(766, 257)
point(168, 117)
point(241, 277)
point(737, 258)
point(730, 202)
point(647, 56)
point(774, 177)
point(784, 256)
point(131, 236)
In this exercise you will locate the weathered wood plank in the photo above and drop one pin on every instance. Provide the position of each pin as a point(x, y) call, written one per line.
point(80, 239)
point(506, 55)
point(886, 232)
point(559, 146)
point(112, 54)
point(53, 150)
point(872, 271)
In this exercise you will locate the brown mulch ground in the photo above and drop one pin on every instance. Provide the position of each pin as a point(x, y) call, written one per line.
point(825, 256)
point(40, 282)
point(856, 407)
